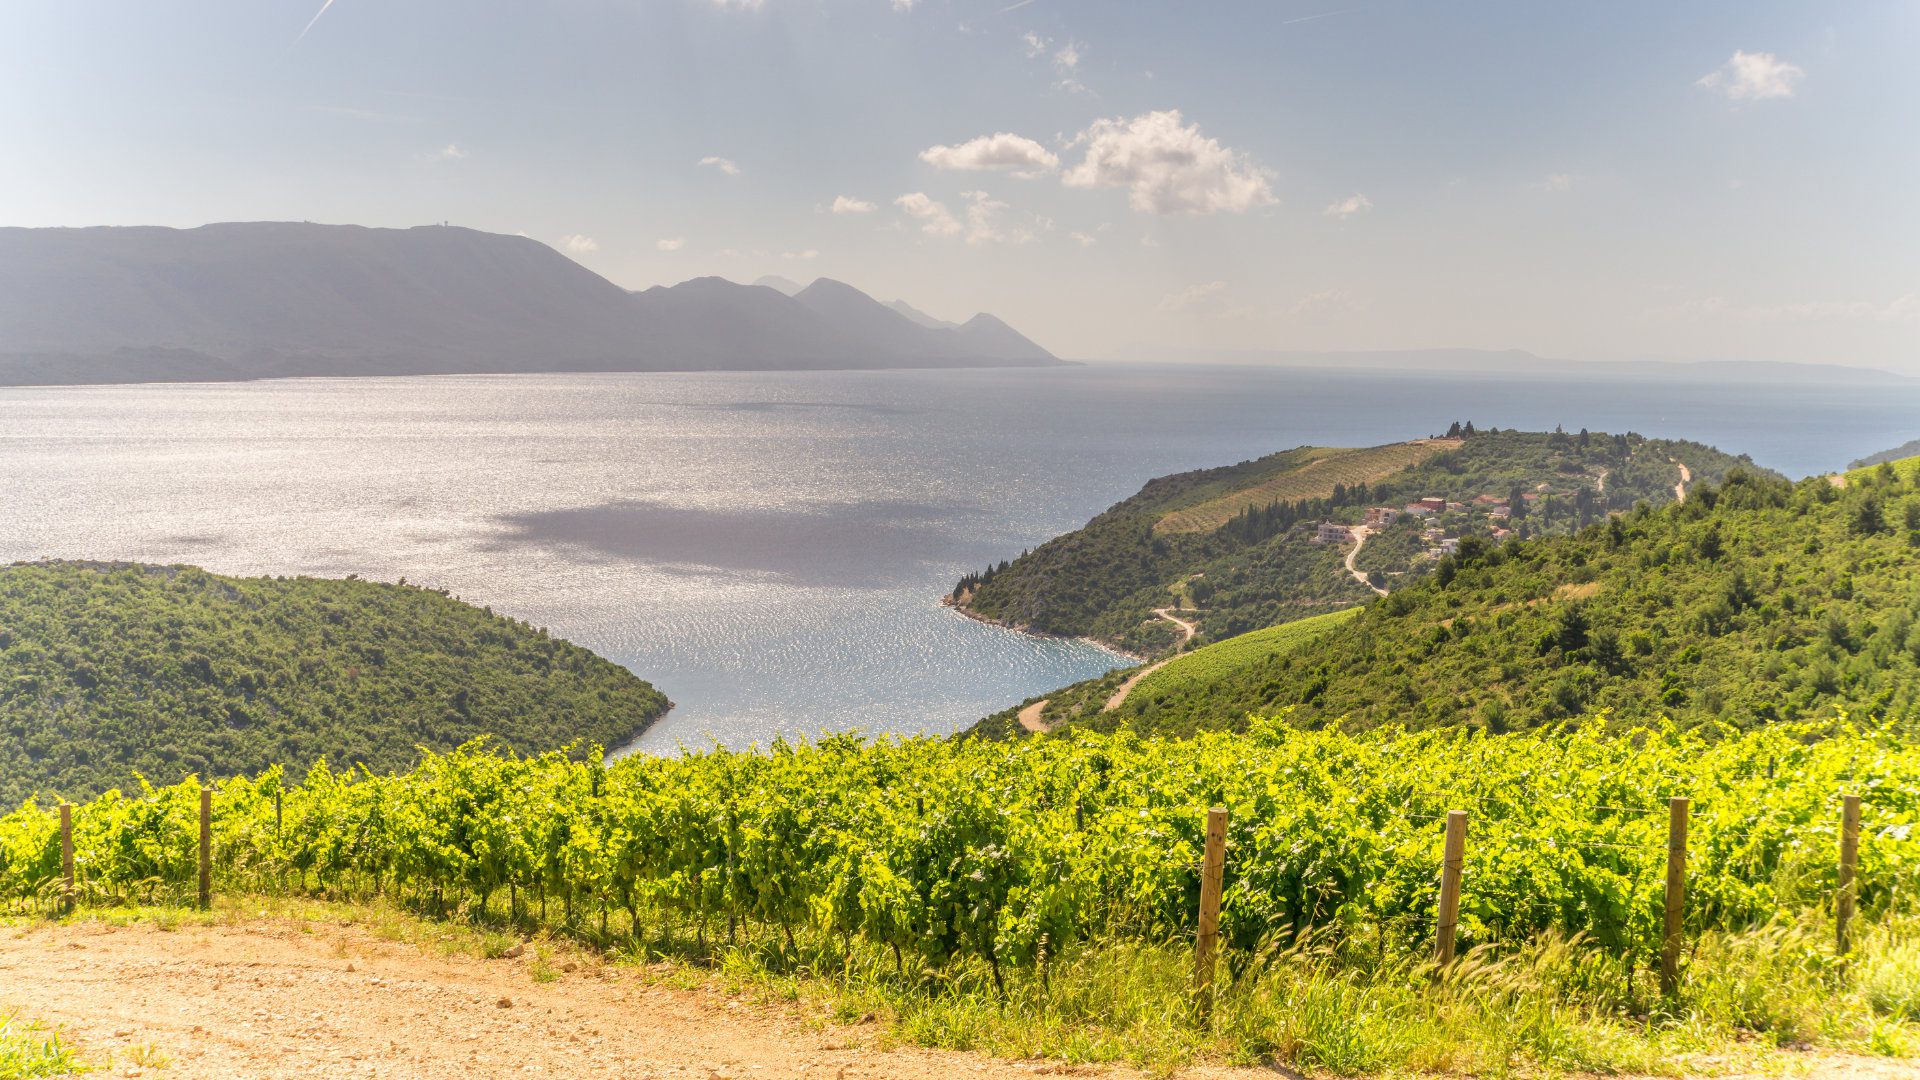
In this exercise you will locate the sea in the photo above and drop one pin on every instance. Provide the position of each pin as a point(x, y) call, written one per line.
point(770, 549)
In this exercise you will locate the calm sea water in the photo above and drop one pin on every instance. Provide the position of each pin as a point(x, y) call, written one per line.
point(769, 549)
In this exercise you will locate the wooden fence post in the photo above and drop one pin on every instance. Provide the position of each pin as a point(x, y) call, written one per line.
point(1451, 861)
point(1207, 942)
point(1843, 899)
point(1676, 906)
point(66, 856)
point(206, 848)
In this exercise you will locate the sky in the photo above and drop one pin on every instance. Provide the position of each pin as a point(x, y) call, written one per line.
point(1115, 177)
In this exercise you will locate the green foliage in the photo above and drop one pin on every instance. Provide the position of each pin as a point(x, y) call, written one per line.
point(1001, 852)
point(1755, 601)
point(1260, 567)
point(107, 671)
point(28, 1051)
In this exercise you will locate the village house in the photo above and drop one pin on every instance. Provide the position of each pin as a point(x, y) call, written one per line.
point(1331, 533)
point(1380, 517)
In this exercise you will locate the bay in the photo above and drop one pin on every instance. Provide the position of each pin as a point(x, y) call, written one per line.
point(769, 549)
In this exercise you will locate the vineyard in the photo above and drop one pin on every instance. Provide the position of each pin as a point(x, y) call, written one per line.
point(1201, 669)
point(1314, 480)
point(1003, 853)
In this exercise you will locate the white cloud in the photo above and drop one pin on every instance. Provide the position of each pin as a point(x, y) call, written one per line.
point(1558, 182)
point(1753, 77)
point(1349, 206)
point(1003, 150)
point(1905, 308)
point(1065, 60)
point(934, 217)
point(847, 204)
point(800, 256)
point(1168, 167)
point(449, 152)
point(1083, 239)
point(1326, 302)
point(1193, 296)
point(579, 244)
point(671, 243)
point(723, 164)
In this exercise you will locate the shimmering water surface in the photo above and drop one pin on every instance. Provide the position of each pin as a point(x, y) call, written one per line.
point(769, 549)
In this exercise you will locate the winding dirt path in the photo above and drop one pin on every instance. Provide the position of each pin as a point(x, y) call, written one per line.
point(1360, 534)
point(263, 997)
point(1029, 717)
point(1686, 477)
point(1187, 630)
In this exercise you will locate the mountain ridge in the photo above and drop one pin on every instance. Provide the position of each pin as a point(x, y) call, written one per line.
point(244, 300)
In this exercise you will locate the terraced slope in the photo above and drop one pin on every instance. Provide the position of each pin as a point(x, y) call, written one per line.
point(1755, 601)
point(1240, 543)
point(1325, 470)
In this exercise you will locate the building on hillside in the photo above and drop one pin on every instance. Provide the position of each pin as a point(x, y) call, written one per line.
point(1331, 533)
point(1501, 512)
point(1500, 534)
point(1488, 500)
point(1432, 504)
point(1380, 517)
point(1415, 509)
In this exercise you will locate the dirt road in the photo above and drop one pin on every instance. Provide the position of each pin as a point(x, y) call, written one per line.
point(272, 998)
point(1360, 534)
point(1187, 630)
point(1029, 717)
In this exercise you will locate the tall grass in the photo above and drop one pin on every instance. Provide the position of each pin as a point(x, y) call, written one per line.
point(28, 1050)
point(1554, 1004)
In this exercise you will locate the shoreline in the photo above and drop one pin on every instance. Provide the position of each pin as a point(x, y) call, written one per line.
point(1112, 650)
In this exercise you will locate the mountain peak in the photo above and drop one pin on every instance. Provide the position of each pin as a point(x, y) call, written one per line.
point(247, 300)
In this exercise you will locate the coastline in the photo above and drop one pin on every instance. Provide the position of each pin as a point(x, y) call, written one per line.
point(1106, 647)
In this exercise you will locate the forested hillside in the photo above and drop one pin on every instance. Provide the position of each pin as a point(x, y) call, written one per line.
point(1754, 601)
point(1242, 544)
point(111, 670)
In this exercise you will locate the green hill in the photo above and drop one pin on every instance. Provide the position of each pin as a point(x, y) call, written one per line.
point(111, 670)
point(1754, 601)
point(1904, 450)
point(1240, 543)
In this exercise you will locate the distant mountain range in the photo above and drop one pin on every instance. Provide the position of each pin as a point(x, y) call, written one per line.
point(269, 299)
point(1520, 362)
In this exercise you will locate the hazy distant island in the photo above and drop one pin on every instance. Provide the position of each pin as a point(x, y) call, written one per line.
point(1898, 453)
point(277, 299)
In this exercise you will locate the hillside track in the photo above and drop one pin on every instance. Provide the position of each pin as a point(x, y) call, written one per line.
point(275, 998)
point(1187, 630)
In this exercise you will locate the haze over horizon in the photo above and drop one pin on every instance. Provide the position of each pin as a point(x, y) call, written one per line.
point(1630, 182)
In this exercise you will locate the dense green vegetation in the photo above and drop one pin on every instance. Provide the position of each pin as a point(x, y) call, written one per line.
point(956, 870)
point(1259, 566)
point(1755, 601)
point(111, 670)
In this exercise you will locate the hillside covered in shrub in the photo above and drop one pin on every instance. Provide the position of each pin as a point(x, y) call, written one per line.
point(1754, 601)
point(1241, 543)
point(108, 670)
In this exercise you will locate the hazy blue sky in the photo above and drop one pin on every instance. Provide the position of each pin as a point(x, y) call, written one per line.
point(1734, 180)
